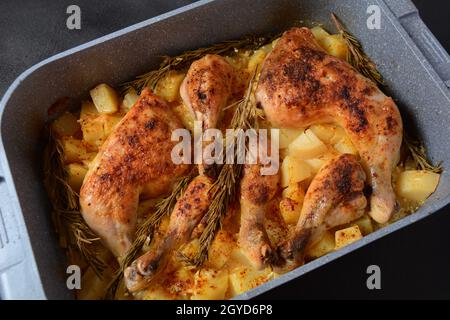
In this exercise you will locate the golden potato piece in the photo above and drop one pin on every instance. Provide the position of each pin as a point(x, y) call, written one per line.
point(88, 111)
point(186, 116)
point(243, 279)
point(417, 185)
point(210, 284)
point(168, 87)
point(294, 170)
point(319, 33)
point(256, 60)
point(75, 176)
point(307, 146)
point(105, 99)
point(66, 125)
point(287, 136)
point(75, 150)
point(91, 126)
point(316, 164)
point(291, 205)
point(328, 133)
point(129, 100)
point(347, 236)
point(156, 292)
point(346, 146)
point(220, 250)
point(96, 127)
point(323, 247)
point(365, 225)
point(110, 122)
point(336, 46)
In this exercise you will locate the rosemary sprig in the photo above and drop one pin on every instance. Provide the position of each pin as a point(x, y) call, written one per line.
point(224, 189)
point(356, 55)
point(415, 150)
point(151, 79)
point(72, 231)
point(145, 231)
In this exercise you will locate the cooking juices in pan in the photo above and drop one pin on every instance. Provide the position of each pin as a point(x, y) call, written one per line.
point(150, 228)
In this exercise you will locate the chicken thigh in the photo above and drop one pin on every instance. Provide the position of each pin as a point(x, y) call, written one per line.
point(301, 85)
point(134, 161)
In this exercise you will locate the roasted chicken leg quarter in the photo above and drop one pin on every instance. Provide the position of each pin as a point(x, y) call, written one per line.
point(301, 85)
point(334, 198)
point(134, 161)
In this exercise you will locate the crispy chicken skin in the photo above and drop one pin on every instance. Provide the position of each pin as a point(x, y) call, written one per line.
point(206, 90)
point(256, 193)
point(300, 85)
point(334, 198)
point(134, 161)
point(186, 215)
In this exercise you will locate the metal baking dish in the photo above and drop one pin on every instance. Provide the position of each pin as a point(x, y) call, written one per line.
point(415, 66)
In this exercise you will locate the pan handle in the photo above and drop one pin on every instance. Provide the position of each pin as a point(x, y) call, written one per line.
point(10, 239)
point(18, 274)
point(408, 15)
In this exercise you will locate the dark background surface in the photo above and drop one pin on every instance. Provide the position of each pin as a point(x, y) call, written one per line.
point(415, 261)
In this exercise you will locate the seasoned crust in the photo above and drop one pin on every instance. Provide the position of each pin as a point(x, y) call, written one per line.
point(335, 197)
point(298, 77)
point(135, 161)
point(138, 151)
point(207, 87)
point(301, 85)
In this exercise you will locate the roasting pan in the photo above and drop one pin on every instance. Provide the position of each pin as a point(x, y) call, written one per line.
point(414, 64)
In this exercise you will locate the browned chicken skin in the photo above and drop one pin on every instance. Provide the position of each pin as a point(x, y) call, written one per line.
point(256, 193)
point(207, 87)
point(134, 161)
point(300, 85)
point(335, 197)
point(187, 213)
point(206, 90)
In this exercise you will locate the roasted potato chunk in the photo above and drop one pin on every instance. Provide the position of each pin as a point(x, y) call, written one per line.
point(105, 99)
point(416, 185)
point(307, 146)
point(75, 150)
point(291, 205)
point(294, 170)
point(75, 176)
point(66, 125)
point(287, 136)
point(336, 46)
point(129, 100)
point(347, 236)
point(243, 279)
point(168, 87)
point(210, 284)
point(323, 247)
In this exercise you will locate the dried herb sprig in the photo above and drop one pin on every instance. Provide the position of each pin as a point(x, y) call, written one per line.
point(144, 234)
point(224, 189)
point(182, 61)
point(415, 151)
point(356, 55)
point(72, 231)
